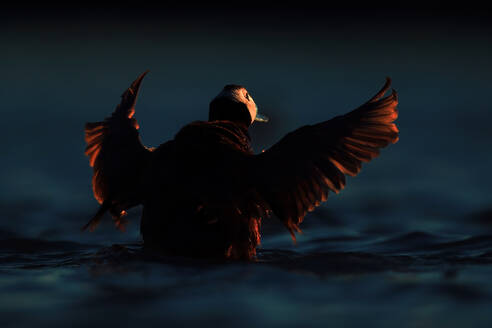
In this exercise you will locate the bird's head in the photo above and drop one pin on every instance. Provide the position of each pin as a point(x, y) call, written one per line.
point(234, 103)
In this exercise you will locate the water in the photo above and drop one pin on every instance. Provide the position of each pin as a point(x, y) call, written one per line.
point(407, 243)
point(416, 279)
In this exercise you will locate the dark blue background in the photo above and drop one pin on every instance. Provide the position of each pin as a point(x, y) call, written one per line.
point(63, 67)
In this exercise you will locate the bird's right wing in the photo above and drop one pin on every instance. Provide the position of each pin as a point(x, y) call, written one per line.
point(118, 157)
point(296, 174)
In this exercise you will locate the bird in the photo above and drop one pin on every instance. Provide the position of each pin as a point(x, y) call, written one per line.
point(204, 193)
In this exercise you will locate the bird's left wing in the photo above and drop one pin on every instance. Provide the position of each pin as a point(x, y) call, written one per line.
point(118, 157)
point(296, 174)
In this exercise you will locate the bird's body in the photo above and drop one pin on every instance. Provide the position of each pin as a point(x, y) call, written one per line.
point(204, 193)
point(194, 180)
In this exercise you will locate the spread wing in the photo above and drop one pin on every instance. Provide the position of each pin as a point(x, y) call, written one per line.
point(118, 157)
point(297, 173)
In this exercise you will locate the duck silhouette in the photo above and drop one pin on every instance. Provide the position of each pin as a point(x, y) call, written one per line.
point(204, 193)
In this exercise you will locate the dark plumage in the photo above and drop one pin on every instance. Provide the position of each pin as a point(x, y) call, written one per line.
point(204, 193)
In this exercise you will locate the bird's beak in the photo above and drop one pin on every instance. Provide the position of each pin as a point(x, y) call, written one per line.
point(261, 118)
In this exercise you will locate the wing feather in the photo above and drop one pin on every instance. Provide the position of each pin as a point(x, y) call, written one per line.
point(297, 173)
point(117, 156)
